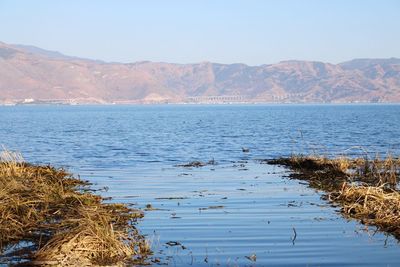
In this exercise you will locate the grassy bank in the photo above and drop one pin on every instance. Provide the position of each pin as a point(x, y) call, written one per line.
point(49, 217)
point(366, 189)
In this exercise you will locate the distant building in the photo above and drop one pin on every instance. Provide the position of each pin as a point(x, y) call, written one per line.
point(29, 100)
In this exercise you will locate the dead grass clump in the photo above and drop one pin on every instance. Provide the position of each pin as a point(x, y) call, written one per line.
point(376, 172)
point(96, 238)
point(314, 163)
point(320, 172)
point(377, 206)
point(381, 171)
point(62, 222)
point(372, 195)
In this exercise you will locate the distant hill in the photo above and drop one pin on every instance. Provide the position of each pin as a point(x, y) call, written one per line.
point(33, 75)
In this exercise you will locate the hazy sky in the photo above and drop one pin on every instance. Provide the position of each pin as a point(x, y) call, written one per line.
point(186, 31)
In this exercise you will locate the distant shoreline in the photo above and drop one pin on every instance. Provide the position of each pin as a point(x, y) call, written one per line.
point(41, 77)
point(138, 103)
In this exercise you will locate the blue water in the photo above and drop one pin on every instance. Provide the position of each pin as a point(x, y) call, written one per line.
point(134, 150)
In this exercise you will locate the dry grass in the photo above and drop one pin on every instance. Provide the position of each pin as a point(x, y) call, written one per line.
point(320, 172)
point(372, 205)
point(366, 189)
point(375, 172)
point(64, 223)
point(381, 171)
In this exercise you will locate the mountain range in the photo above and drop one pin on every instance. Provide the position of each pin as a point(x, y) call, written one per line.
point(32, 75)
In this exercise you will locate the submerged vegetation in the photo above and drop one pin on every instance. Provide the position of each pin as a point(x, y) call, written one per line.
point(365, 189)
point(48, 217)
point(197, 164)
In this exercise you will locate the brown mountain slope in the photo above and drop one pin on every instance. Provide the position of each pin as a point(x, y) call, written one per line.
point(31, 73)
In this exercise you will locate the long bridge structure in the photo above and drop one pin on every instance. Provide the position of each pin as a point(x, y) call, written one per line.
point(217, 99)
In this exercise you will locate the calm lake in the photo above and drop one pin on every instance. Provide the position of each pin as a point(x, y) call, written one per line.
point(238, 212)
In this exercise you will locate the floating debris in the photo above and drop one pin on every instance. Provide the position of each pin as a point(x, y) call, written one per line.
point(245, 150)
point(197, 164)
point(212, 207)
point(294, 235)
point(150, 207)
point(173, 243)
point(252, 257)
point(170, 198)
point(185, 174)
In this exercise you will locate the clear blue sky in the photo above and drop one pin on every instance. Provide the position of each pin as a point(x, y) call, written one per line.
point(187, 31)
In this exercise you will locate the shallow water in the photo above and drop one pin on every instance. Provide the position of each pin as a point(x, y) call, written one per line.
point(218, 214)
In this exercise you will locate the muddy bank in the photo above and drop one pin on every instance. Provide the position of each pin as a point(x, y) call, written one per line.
point(48, 217)
point(365, 189)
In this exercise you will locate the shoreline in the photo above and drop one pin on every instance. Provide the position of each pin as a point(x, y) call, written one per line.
point(206, 104)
